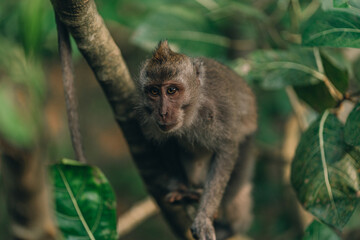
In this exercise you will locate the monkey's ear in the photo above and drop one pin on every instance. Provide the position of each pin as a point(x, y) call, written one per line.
point(162, 51)
point(199, 69)
point(163, 44)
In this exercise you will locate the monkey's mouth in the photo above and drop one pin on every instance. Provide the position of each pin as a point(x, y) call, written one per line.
point(167, 127)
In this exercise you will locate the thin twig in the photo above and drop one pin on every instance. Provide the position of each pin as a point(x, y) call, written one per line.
point(297, 8)
point(299, 109)
point(136, 215)
point(310, 10)
point(334, 92)
point(69, 89)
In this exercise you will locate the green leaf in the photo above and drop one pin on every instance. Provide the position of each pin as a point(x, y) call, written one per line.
point(340, 3)
point(354, 222)
point(277, 69)
point(317, 96)
point(184, 28)
point(319, 231)
point(356, 69)
point(352, 127)
point(227, 9)
point(16, 120)
point(336, 71)
point(131, 13)
point(85, 201)
point(323, 174)
point(332, 28)
point(31, 20)
point(346, 3)
point(22, 91)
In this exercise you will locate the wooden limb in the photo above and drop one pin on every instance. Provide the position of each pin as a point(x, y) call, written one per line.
point(299, 109)
point(136, 215)
point(27, 195)
point(99, 49)
point(69, 90)
point(104, 57)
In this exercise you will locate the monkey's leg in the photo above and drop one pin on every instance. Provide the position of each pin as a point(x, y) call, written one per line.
point(220, 171)
point(237, 201)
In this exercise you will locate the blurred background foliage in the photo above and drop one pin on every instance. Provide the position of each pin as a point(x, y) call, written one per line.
point(242, 34)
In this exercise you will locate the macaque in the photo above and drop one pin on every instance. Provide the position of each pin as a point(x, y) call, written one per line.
point(211, 114)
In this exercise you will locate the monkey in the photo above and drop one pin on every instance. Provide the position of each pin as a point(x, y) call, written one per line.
point(210, 112)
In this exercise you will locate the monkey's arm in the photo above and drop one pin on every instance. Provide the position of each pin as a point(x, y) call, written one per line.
point(217, 179)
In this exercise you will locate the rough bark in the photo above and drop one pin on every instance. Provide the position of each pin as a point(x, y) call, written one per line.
point(104, 57)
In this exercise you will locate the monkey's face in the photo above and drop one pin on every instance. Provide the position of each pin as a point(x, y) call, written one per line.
point(165, 104)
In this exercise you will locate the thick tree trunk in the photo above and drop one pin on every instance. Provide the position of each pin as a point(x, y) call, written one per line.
point(104, 57)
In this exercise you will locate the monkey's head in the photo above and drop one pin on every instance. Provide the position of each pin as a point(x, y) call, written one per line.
point(169, 89)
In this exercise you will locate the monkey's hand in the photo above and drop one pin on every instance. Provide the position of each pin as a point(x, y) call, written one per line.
point(202, 228)
point(184, 194)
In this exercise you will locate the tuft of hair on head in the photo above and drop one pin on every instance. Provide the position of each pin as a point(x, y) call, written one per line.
point(162, 52)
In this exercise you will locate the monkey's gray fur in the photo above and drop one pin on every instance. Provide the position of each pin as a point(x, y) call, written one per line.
point(211, 113)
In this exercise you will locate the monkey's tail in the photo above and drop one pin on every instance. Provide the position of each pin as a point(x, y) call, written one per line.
point(69, 88)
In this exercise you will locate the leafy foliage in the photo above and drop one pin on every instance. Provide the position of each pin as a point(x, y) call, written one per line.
point(352, 127)
point(324, 169)
point(335, 69)
point(277, 69)
point(318, 231)
point(21, 95)
point(332, 28)
point(324, 174)
point(346, 4)
point(183, 26)
point(85, 201)
point(297, 67)
point(289, 38)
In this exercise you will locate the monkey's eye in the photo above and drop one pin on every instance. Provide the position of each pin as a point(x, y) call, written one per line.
point(154, 91)
point(171, 90)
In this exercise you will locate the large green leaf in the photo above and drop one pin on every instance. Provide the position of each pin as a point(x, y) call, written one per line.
point(230, 8)
point(133, 12)
point(352, 127)
point(319, 231)
point(356, 69)
point(184, 28)
point(354, 222)
point(332, 28)
point(346, 3)
point(31, 21)
point(323, 174)
point(335, 70)
point(275, 69)
point(317, 96)
point(85, 201)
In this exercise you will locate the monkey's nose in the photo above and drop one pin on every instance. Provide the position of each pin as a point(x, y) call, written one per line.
point(163, 115)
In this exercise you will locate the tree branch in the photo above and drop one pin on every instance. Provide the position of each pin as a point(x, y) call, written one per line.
point(99, 49)
point(104, 57)
point(137, 214)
